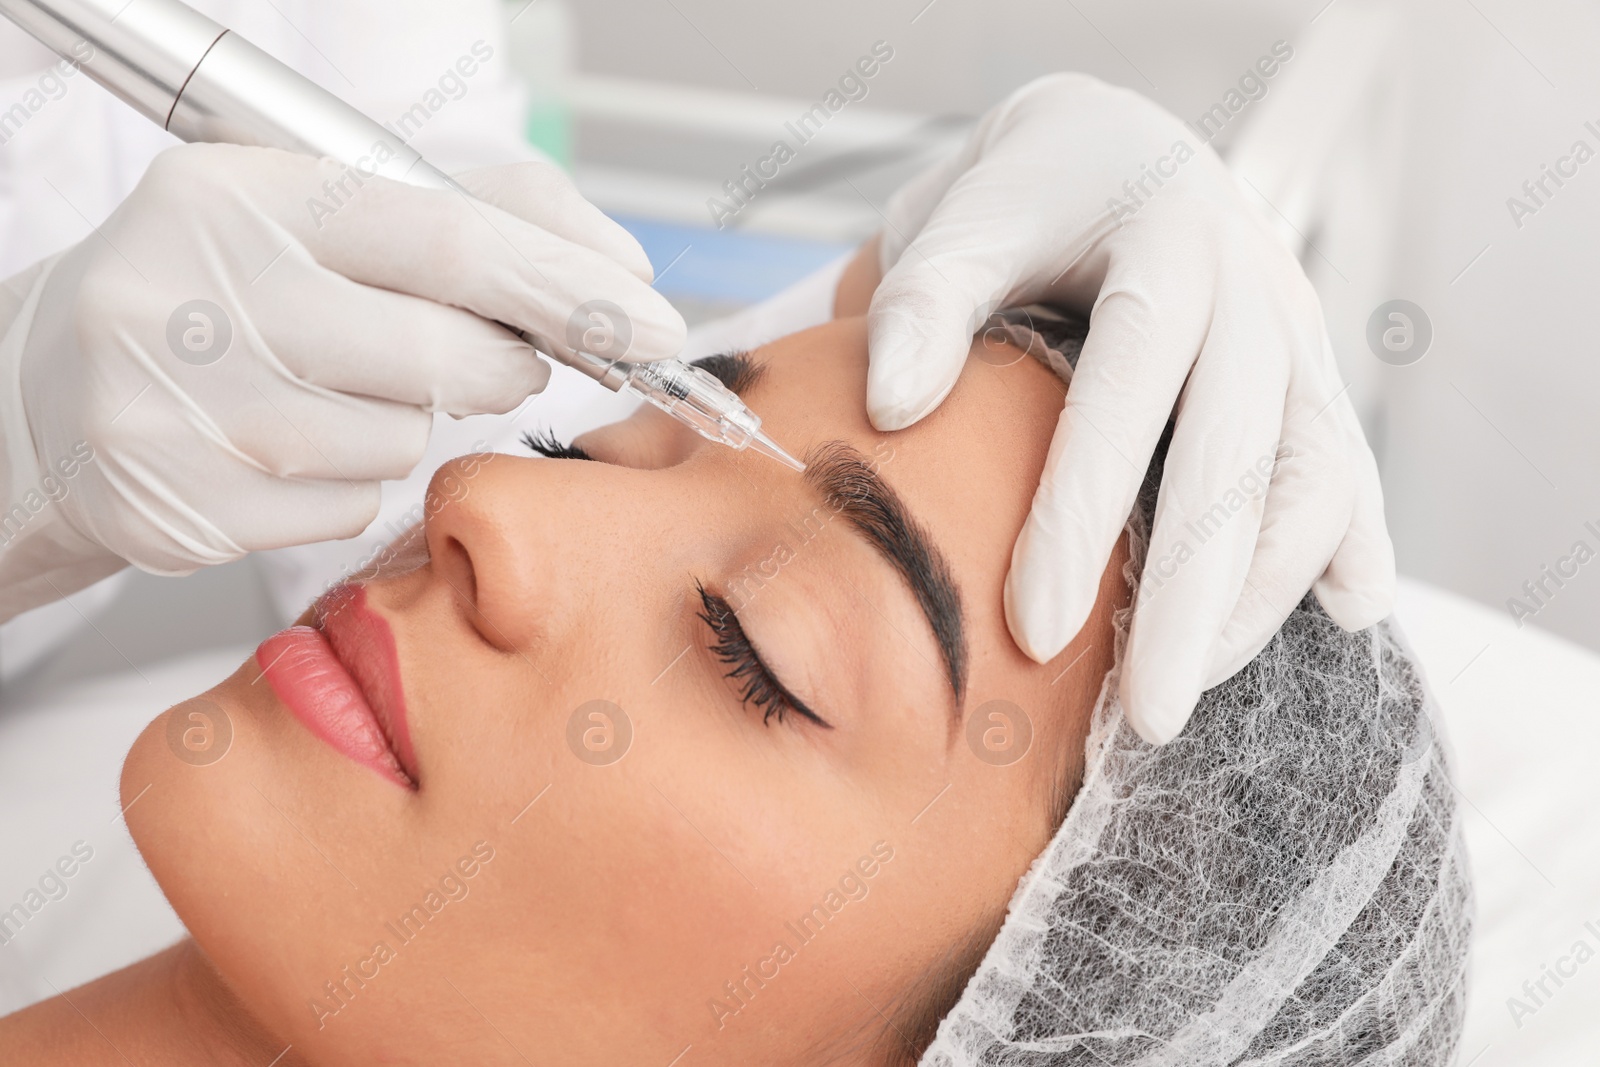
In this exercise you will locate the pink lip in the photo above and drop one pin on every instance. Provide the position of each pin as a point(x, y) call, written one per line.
point(341, 679)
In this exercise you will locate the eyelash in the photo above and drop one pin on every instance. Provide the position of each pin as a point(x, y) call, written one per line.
point(547, 445)
point(758, 687)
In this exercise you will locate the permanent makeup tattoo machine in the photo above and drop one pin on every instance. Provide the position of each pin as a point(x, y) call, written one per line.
point(202, 82)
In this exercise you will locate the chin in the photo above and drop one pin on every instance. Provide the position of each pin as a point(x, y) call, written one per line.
point(207, 836)
point(181, 788)
point(224, 794)
point(189, 798)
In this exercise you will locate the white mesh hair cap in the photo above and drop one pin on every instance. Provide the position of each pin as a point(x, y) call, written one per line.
point(1283, 883)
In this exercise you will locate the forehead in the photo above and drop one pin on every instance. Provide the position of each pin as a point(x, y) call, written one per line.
point(811, 376)
point(965, 470)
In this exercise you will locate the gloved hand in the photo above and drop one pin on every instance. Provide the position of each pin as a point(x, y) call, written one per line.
point(247, 350)
point(1078, 193)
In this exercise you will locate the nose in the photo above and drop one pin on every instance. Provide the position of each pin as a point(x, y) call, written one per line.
point(497, 529)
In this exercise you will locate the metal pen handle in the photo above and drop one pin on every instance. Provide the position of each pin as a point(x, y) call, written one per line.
point(202, 82)
point(198, 80)
point(142, 52)
point(238, 94)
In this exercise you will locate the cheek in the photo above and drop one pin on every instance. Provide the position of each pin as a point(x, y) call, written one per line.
point(621, 893)
point(659, 879)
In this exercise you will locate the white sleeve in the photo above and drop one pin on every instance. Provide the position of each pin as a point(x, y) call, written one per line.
point(42, 558)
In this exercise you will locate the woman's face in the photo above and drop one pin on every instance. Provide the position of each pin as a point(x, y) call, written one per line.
point(611, 851)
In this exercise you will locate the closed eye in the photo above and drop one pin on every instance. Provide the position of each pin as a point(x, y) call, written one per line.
point(758, 686)
point(550, 447)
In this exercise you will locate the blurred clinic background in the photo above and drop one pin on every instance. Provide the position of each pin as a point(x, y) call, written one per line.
point(1436, 152)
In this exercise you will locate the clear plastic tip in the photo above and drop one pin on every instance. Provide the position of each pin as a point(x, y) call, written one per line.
point(697, 399)
point(760, 442)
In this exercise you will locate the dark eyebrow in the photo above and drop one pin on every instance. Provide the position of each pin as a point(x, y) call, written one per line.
point(737, 371)
point(852, 488)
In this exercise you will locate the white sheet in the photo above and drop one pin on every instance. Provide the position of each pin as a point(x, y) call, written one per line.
point(1521, 707)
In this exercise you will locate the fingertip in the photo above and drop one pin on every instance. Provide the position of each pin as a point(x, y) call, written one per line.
point(659, 331)
point(1044, 606)
point(356, 508)
point(490, 381)
point(903, 384)
point(539, 376)
point(1157, 705)
point(630, 254)
point(669, 337)
point(912, 366)
point(1027, 631)
point(1356, 609)
point(1358, 588)
point(1162, 672)
point(920, 325)
point(900, 410)
point(598, 231)
point(527, 375)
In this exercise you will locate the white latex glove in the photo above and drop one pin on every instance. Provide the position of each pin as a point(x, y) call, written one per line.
point(1194, 307)
point(347, 330)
